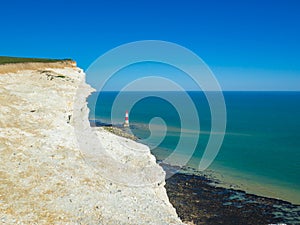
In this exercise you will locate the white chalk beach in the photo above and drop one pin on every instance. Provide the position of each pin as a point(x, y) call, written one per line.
point(52, 170)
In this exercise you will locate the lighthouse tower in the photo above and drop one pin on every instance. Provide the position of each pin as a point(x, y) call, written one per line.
point(126, 123)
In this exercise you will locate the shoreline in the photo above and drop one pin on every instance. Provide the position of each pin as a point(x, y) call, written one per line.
point(265, 188)
point(201, 190)
point(230, 179)
point(260, 186)
point(213, 174)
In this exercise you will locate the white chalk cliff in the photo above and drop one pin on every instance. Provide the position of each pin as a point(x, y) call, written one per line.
point(48, 177)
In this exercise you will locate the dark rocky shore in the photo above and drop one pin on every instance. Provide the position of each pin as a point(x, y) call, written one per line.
point(197, 200)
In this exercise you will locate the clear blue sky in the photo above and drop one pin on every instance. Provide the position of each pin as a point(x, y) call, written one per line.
point(250, 45)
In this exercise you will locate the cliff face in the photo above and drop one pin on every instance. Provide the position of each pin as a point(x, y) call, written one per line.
point(45, 175)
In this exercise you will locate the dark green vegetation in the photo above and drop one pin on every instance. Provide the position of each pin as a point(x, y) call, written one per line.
point(6, 60)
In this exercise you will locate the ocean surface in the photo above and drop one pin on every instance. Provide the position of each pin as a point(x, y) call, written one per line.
point(261, 149)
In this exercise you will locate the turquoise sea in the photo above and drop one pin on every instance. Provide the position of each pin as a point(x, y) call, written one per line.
point(261, 148)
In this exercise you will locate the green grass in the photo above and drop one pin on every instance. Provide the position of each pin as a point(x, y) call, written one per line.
point(6, 60)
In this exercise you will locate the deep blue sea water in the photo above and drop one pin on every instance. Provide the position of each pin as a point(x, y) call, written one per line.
point(261, 147)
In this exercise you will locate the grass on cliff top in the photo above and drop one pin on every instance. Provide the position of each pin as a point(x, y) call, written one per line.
point(7, 60)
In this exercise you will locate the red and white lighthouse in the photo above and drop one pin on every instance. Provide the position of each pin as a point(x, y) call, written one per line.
point(126, 123)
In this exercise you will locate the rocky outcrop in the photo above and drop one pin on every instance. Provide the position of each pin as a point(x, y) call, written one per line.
point(45, 175)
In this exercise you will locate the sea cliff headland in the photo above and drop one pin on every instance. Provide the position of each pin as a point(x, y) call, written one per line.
point(44, 175)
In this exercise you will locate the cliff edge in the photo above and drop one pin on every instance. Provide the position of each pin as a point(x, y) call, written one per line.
point(45, 175)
